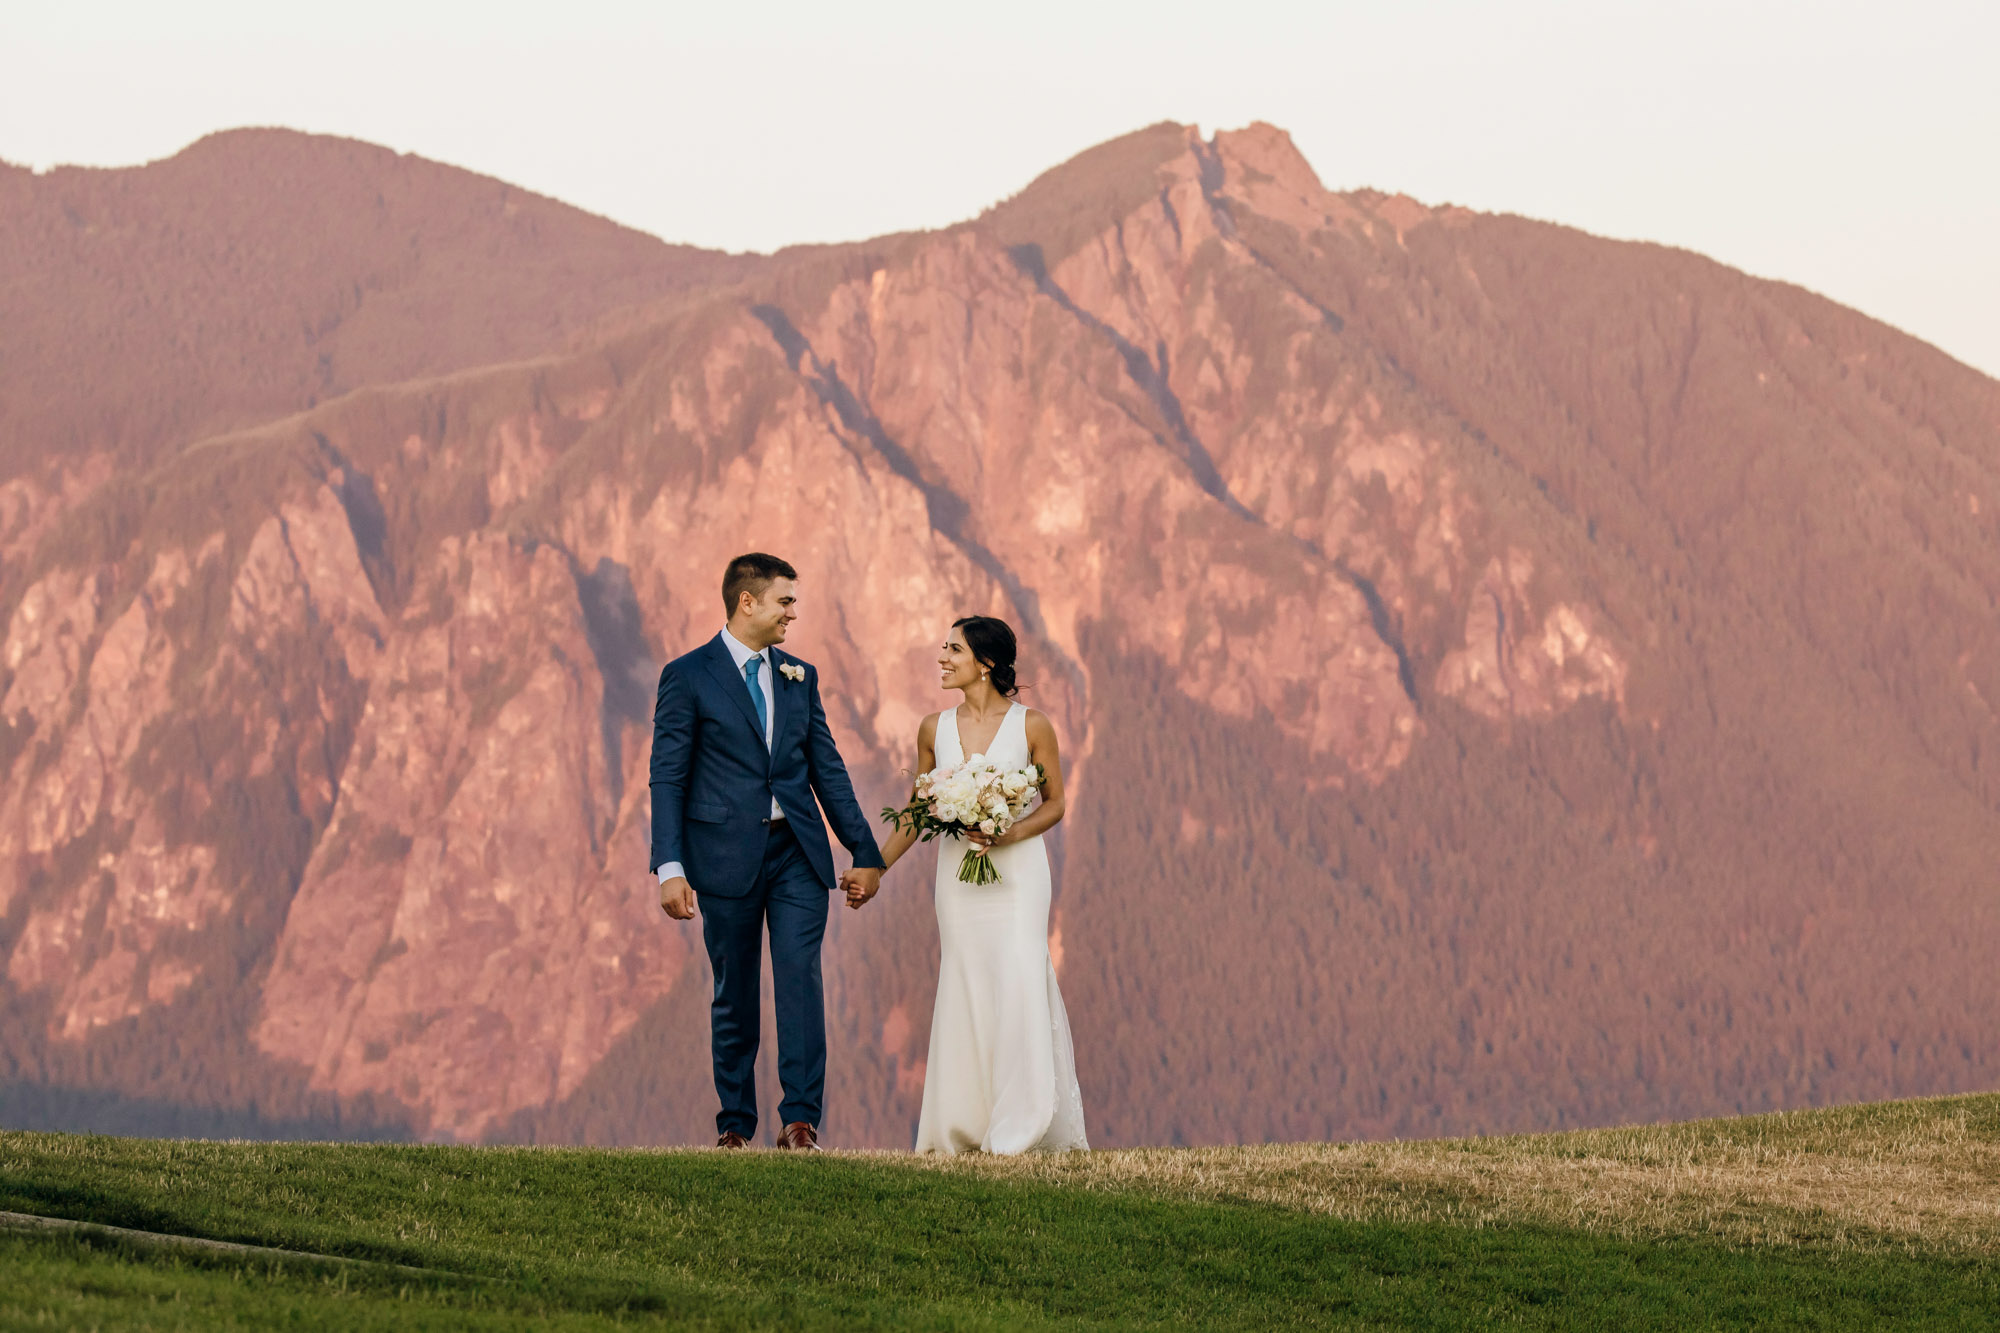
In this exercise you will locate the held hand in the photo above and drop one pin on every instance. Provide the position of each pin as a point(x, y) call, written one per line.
point(860, 885)
point(987, 841)
point(677, 899)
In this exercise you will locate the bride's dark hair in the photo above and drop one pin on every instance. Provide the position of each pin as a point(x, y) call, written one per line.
point(991, 640)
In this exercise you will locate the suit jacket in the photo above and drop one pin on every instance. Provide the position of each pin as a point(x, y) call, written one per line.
point(713, 779)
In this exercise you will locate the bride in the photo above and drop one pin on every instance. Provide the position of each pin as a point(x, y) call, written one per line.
point(1001, 1076)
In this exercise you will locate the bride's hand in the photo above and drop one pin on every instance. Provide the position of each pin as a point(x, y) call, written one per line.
point(985, 841)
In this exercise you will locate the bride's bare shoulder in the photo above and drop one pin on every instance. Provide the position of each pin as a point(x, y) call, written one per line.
point(927, 729)
point(1039, 723)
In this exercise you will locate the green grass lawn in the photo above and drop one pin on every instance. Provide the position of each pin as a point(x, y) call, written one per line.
point(589, 1239)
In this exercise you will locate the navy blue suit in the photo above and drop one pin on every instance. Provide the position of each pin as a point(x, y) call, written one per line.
point(713, 782)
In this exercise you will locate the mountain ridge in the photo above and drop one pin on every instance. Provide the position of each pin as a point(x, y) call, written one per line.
point(125, 266)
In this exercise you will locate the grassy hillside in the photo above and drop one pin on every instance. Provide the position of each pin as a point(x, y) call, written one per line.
point(1807, 1220)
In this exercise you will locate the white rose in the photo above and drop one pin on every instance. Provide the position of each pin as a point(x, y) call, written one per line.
point(988, 827)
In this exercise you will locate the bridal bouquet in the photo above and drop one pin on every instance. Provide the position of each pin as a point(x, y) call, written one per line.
point(978, 794)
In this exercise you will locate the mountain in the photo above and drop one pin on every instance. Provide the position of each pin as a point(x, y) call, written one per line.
point(1510, 679)
point(259, 272)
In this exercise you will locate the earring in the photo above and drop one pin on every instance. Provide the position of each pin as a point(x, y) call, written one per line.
point(983, 675)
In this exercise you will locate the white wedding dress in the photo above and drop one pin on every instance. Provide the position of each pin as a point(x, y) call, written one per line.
point(1001, 1075)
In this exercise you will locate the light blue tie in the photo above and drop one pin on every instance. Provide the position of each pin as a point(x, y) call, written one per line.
point(757, 695)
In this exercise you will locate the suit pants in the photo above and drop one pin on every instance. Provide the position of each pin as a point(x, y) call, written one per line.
point(792, 899)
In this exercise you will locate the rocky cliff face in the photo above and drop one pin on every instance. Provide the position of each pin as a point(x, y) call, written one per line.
point(1509, 679)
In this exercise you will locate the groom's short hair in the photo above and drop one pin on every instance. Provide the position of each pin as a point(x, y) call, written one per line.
point(752, 573)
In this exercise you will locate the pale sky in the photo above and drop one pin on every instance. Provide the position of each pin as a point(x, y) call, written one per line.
point(1853, 149)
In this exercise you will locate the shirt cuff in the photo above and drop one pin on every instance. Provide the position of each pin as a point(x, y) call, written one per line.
point(671, 870)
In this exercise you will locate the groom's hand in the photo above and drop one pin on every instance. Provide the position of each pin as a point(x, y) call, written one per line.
point(677, 899)
point(860, 885)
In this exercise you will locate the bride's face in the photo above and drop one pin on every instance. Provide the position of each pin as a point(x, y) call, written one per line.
point(957, 667)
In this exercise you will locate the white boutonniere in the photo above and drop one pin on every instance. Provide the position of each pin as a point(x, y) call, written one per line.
point(792, 671)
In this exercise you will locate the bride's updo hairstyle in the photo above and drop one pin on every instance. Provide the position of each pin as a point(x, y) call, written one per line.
point(991, 640)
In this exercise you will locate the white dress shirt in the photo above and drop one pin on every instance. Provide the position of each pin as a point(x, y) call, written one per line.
point(740, 653)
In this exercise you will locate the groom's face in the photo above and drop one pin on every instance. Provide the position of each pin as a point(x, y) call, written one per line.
point(764, 620)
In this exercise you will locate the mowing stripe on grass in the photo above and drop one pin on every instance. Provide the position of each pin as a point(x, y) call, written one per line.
point(160, 1240)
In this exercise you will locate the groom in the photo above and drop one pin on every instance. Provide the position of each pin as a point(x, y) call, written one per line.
point(740, 749)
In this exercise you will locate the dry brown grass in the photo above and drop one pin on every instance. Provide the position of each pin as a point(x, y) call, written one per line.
point(1916, 1175)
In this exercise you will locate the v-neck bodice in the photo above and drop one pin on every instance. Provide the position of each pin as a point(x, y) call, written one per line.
point(1010, 743)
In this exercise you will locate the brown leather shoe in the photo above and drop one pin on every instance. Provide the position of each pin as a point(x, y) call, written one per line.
point(800, 1136)
point(732, 1140)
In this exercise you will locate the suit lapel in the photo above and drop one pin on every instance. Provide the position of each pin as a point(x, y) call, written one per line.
point(733, 685)
point(781, 698)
